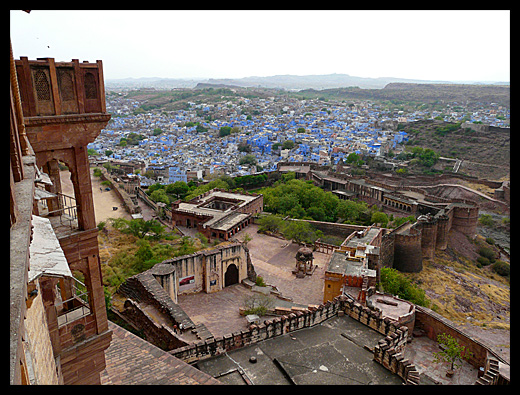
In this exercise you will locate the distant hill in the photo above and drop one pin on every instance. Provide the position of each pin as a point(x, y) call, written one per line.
point(287, 82)
point(486, 153)
point(298, 82)
point(462, 93)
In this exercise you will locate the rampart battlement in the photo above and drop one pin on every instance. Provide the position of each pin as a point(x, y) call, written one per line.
point(387, 352)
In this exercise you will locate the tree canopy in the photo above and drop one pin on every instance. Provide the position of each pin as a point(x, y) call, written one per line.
point(303, 200)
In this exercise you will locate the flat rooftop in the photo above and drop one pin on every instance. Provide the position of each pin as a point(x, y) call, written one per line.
point(353, 240)
point(339, 264)
point(222, 219)
point(396, 309)
point(132, 360)
point(335, 351)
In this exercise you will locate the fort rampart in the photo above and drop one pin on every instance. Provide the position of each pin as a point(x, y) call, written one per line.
point(407, 251)
point(388, 352)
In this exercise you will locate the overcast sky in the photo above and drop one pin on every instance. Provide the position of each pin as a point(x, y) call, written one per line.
point(433, 45)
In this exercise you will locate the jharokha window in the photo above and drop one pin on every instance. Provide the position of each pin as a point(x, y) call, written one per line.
point(90, 86)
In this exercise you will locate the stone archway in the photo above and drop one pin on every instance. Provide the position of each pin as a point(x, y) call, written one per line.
point(231, 276)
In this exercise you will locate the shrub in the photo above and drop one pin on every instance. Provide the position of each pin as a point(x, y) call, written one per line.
point(486, 220)
point(490, 240)
point(258, 304)
point(483, 261)
point(396, 283)
point(488, 253)
point(270, 223)
point(260, 281)
point(502, 268)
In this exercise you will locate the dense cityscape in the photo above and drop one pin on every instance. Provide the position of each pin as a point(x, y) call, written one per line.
point(247, 136)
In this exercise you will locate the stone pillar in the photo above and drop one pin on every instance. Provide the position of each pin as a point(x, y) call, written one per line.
point(80, 176)
point(52, 169)
point(96, 295)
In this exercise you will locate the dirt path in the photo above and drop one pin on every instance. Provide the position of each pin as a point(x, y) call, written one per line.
point(103, 200)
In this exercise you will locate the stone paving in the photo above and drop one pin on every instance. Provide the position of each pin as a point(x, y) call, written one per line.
point(420, 352)
point(132, 360)
point(218, 311)
point(274, 260)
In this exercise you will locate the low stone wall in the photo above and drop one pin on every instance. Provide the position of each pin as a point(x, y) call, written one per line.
point(159, 335)
point(434, 324)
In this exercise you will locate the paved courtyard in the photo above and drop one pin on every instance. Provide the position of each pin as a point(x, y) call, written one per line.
point(273, 260)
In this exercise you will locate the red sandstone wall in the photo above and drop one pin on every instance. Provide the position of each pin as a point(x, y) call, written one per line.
point(434, 324)
point(442, 233)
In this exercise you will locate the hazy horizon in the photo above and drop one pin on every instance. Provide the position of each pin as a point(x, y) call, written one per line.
point(424, 45)
point(295, 75)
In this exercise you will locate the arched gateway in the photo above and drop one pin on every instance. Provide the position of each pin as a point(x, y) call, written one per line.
point(231, 276)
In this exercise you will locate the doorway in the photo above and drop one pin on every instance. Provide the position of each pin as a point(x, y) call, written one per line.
point(231, 276)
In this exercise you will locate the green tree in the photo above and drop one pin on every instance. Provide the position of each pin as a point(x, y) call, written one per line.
point(354, 159)
point(143, 254)
point(379, 217)
point(270, 223)
point(178, 188)
point(153, 188)
point(160, 195)
point(224, 131)
point(301, 232)
point(288, 144)
point(397, 283)
point(350, 211)
point(244, 147)
point(247, 160)
point(452, 351)
point(200, 129)
point(139, 227)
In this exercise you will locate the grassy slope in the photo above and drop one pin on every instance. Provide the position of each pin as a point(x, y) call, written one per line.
point(459, 289)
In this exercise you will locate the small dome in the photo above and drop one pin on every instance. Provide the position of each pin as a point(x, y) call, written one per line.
point(304, 253)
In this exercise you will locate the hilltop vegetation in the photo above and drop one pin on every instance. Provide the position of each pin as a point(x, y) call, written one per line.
point(124, 250)
point(425, 93)
point(491, 148)
point(177, 99)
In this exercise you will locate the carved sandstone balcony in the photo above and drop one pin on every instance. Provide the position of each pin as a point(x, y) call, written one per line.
point(63, 103)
